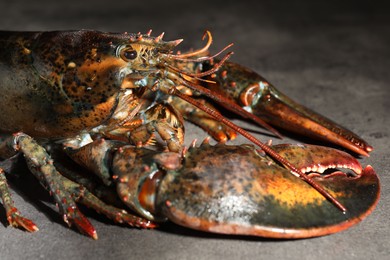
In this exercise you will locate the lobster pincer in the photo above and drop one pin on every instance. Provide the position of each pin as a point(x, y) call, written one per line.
point(258, 96)
point(237, 189)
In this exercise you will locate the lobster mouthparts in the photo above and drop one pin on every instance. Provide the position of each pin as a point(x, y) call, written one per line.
point(234, 190)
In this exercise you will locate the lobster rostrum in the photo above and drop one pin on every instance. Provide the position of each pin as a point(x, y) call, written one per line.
point(75, 87)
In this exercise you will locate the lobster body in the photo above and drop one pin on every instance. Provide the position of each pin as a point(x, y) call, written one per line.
point(52, 81)
point(75, 87)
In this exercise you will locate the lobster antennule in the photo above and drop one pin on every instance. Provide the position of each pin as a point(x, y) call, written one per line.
point(205, 73)
point(200, 59)
point(201, 51)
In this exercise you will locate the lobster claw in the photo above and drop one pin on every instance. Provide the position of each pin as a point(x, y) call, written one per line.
point(234, 190)
point(262, 99)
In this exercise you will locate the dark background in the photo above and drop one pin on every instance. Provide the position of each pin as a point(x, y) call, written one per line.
point(334, 57)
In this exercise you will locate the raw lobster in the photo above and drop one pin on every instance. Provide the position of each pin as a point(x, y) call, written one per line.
point(75, 87)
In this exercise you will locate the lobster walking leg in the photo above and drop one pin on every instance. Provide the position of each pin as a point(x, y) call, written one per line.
point(41, 165)
point(14, 217)
point(65, 191)
point(119, 215)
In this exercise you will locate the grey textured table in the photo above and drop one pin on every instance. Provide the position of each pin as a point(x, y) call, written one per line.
point(334, 57)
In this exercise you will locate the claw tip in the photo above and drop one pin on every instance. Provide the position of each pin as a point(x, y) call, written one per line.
point(94, 235)
point(34, 228)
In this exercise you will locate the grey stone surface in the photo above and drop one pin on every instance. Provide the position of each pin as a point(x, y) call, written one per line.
point(332, 56)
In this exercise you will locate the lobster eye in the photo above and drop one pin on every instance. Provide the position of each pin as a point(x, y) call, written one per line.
point(128, 53)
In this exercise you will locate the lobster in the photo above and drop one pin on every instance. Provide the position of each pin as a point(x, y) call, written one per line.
point(79, 88)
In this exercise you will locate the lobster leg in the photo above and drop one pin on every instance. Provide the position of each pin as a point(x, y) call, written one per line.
point(119, 215)
point(41, 165)
point(258, 96)
point(14, 217)
point(98, 157)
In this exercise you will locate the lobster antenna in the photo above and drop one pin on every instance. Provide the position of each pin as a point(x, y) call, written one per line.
point(263, 146)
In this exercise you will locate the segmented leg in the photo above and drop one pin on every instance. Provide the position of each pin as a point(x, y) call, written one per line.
point(216, 129)
point(13, 215)
point(94, 157)
point(118, 215)
point(41, 165)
